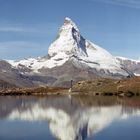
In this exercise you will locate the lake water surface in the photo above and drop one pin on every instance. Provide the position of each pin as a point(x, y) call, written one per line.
point(63, 118)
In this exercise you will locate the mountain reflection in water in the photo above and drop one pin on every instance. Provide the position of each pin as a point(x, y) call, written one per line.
point(70, 119)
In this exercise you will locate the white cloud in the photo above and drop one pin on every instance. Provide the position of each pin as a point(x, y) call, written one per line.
point(18, 45)
point(126, 3)
point(21, 49)
point(50, 27)
point(16, 29)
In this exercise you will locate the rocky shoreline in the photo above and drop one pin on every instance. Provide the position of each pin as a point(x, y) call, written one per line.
point(37, 91)
point(99, 87)
point(109, 87)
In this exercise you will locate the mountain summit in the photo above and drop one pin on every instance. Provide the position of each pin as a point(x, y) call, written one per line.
point(68, 41)
point(71, 56)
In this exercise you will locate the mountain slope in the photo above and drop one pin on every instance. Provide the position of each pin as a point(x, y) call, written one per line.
point(71, 56)
point(131, 65)
point(11, 77)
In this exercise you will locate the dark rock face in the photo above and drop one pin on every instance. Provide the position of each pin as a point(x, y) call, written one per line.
point(61, 76)
point(10, 77)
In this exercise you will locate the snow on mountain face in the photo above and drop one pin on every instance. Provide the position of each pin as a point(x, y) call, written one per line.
point(36, 64)
point(127, 59)
point(130, 64)
point(69, 41)
point(70, 44)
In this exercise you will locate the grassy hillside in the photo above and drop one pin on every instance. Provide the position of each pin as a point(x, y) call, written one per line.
point(130, 86)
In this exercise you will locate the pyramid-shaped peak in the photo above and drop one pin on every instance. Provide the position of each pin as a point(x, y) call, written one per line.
point(69, 22)
point(68, 41)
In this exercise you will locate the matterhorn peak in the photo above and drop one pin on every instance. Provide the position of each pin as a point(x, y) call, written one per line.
point(70, 44)
point(71, 47)
point(69, 41)
point(69, 22)
point(67, 19)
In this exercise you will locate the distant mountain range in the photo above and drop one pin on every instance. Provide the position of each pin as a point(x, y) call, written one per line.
point(130, 64)
point(70, 57)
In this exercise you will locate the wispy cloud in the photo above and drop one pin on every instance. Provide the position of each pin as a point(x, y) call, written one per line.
point(23, 29)
point(127, 3)
point(19, 45)
point(21, 49)
point(16, 29)
point(28, 28)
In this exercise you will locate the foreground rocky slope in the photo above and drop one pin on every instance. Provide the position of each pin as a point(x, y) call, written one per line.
point(102, 86)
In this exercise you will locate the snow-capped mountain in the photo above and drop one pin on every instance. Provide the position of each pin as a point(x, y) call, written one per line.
point(130, 64)
point(70, 44)
point(71, 56)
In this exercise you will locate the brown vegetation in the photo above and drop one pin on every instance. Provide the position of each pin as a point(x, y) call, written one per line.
point(44, 90)
point(129, 87)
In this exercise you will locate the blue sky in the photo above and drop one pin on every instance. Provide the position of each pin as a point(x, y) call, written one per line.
point(27, 27)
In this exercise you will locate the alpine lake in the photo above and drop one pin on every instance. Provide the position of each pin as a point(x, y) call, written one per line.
point(69, 118)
